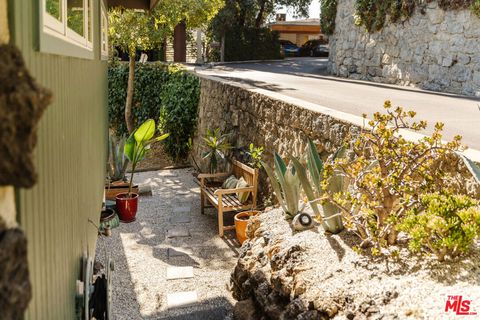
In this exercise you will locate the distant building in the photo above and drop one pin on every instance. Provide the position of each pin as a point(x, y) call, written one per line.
point(297, 31)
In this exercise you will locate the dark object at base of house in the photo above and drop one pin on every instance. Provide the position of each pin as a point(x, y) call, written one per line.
point(15, 288)
point(22, 103)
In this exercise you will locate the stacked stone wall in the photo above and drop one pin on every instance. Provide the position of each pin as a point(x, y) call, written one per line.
point(434, 50)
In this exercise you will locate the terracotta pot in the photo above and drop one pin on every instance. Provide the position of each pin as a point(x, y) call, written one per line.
point(241, 221)
point(127, 207)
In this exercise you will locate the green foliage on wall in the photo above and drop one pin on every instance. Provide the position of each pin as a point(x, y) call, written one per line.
point(251, 44)
point(167, 93)
point(374, 14)
point(179, 109)
point(328, 14)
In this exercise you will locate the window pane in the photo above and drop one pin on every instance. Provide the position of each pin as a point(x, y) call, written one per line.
point(89, 23)
point(75, 17)
point(54, 8)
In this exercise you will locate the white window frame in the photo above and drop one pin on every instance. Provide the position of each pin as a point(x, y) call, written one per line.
point(60, 29)
point(103, 31)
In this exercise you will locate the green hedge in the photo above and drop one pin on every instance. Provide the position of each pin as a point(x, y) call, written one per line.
point(252, 44)
point(179, 110)
point(167, 94)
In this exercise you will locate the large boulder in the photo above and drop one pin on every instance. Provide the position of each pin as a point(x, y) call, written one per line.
point(314, 275)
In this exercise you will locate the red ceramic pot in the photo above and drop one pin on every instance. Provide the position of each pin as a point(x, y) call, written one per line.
point(127, 207)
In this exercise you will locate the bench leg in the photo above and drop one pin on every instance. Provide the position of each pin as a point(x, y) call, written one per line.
point(220, 221)
point(202, 202)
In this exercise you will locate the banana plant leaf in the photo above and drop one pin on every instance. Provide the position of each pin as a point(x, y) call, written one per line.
point(145, 132)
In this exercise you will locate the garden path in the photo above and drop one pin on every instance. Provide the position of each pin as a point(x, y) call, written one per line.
point(170, 263)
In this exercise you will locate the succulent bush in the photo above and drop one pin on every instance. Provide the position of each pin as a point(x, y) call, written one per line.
point(286, 186)
point(445, 225)
point(386, 174)
point(314, 189)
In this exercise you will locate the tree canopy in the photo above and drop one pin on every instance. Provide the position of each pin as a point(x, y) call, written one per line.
point(131, 29)
point(254, 13)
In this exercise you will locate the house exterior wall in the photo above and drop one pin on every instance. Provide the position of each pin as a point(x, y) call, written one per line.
point(436, 50)
point(70, 160)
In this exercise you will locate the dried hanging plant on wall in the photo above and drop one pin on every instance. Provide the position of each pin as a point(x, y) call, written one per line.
point(22, 103)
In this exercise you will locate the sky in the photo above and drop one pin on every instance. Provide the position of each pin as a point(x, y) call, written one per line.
point(314, 11)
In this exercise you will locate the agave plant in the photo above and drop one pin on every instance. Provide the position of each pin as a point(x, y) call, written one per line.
point(117, 161)
point(331, 217)
point(471, 166)
point(217, 146)
point(286, 186)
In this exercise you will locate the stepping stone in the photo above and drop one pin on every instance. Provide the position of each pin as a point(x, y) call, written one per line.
point(178, 252)
point(183, 209)
point(177, 232)
point(183, 192)
point(181, 299)
point(179, 273)
point(168, 175)
point(180, 219)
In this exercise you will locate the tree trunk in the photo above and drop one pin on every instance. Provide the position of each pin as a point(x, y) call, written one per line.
point(259, 20)
point(128, 103)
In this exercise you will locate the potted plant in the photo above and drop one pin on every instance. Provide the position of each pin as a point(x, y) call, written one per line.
point(241, 222)
point(217, 146)
point(136, 147)
point(116, 167)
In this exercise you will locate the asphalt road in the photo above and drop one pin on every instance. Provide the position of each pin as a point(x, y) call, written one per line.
point(306, 79)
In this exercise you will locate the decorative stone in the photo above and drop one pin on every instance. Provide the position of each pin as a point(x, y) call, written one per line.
point(179, 272)
point(22, 103)
point(181, 299)
point(180, 219)
point(177, 232)
point(182, 209)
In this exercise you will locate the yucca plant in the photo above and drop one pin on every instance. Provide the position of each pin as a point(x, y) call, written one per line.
point(314, 188)
point(286, 186)
point(217, 145)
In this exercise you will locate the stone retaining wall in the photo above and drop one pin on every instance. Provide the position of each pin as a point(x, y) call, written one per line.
point(253, 117)
point(281, 124)
point(434, 49)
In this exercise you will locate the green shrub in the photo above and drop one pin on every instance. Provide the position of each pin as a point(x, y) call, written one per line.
point(443, 224)
point(373, 13)
point(251, 44)
point(149, 81)
point(386, 173)
point(167, 93)
point(179, 109)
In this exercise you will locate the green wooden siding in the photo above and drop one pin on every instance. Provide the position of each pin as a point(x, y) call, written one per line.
point(70, 159)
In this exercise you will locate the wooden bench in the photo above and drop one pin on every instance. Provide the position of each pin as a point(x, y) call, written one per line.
point(225, 200)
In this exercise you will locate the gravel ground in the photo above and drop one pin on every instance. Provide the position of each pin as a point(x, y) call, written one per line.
point(139, 251)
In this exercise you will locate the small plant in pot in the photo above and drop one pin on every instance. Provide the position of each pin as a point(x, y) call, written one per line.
point(136, 147)
point(217, 147)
